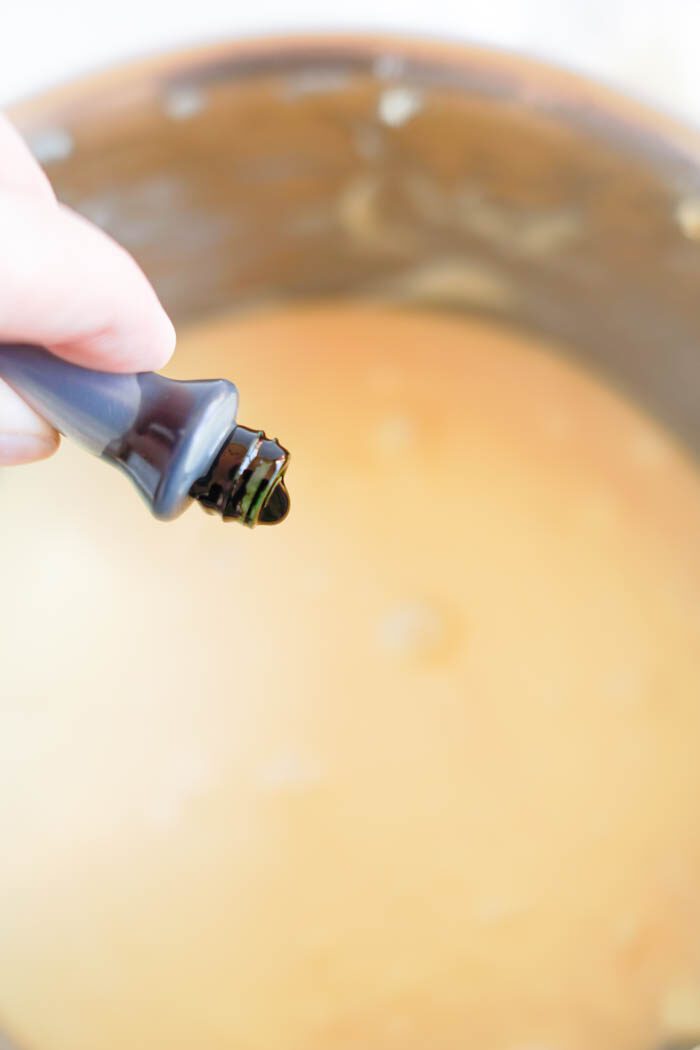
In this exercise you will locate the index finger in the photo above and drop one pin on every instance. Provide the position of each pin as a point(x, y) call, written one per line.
point(19, 170)
point(68, 286)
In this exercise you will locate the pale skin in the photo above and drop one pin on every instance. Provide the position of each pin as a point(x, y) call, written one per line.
point(64, 284)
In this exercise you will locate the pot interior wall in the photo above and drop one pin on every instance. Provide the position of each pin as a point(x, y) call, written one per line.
point(260, 175)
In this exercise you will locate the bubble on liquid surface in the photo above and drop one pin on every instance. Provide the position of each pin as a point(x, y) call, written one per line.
point(395, 435)
point(415, 629)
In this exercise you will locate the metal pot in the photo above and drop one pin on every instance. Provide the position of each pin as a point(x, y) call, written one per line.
point(401, 171)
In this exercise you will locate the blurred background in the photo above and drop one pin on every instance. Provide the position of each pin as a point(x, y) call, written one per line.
point(646, 47)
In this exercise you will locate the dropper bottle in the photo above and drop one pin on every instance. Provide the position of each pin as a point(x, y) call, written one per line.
point(177, 441)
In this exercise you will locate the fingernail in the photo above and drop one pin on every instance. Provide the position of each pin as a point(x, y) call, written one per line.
point(24, 448)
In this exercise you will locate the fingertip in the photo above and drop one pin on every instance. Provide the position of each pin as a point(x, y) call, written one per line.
point(145, 344)
point(164, 343)
point(71, 288)
point(141, 337)
point(134, 333)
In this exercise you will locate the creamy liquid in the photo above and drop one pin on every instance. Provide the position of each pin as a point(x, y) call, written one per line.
point(415, 770)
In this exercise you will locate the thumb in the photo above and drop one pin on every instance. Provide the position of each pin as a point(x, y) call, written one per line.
point(24, 436)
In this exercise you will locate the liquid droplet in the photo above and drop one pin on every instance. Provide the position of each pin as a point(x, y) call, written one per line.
point(277, 506)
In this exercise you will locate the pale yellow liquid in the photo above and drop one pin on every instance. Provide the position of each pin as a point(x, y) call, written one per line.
point(416, 770)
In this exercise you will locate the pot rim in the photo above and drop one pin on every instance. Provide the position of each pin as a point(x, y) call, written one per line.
point(573, 98)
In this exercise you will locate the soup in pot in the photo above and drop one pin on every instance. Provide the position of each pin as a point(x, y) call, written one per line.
point(415, 769)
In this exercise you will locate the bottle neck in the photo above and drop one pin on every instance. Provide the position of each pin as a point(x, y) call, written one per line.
point(245, 481)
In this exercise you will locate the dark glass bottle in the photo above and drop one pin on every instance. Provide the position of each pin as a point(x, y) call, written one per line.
point(177, 441)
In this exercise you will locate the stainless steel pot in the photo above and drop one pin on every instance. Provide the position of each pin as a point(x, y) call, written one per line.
point(398, 170)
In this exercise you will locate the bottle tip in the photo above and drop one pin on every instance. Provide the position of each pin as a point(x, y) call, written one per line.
point(245, 480)
point(276, 506)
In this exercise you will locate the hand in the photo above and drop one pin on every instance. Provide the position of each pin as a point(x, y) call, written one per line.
point(66, 286)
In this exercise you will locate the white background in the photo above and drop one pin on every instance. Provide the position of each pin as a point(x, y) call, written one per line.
point(648, 47)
